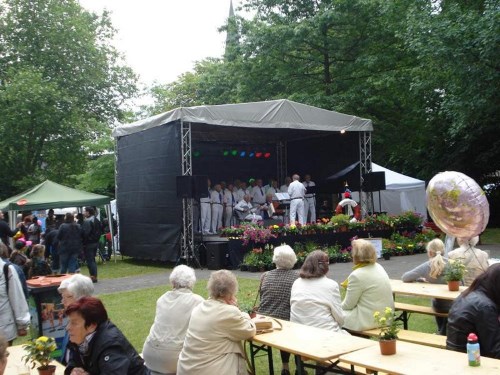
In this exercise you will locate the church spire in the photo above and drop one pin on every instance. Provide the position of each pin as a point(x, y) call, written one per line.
point(232, 36)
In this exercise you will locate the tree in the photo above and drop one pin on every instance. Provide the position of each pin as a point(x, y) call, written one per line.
point(61, 84)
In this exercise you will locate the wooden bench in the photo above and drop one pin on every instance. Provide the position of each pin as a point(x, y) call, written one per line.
point(422, 338)
point(406, 308)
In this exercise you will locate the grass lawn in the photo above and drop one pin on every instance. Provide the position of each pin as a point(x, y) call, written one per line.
point(126, 266)
point(491, 236)
point(134, 313)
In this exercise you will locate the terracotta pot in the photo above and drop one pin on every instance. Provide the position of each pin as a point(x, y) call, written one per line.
point(387, 347)
point(454, 285)
point(49, 370)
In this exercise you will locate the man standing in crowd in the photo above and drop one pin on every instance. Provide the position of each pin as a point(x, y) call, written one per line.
point(91, 234)
point(310, 201)
point(5, 231)
point(284, 187)
point(297, 191)
point(217, 207)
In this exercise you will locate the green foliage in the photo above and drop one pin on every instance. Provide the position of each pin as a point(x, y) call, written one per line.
point(386, 321)
point(39, 351)
point(454, 270)
point(62, 84)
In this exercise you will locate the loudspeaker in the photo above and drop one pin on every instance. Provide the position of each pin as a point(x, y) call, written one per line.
point(192, 187)
point(374, 181)
point(200, 186)
point(216, 255)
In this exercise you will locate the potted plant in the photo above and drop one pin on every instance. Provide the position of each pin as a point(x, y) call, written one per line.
point(389, 329)
point(40, 351)
point(454, 272)
point(340, 222)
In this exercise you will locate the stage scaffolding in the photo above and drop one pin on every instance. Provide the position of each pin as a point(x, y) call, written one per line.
point(365, 166)
point(187, 235)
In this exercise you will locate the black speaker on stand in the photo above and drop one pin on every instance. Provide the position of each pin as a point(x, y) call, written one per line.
point(374, 181)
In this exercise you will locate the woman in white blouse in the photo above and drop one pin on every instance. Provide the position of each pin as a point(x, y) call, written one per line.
point(173, 310)
point(315, 299)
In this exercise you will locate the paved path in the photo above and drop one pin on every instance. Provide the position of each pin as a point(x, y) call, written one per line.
point(339, 272)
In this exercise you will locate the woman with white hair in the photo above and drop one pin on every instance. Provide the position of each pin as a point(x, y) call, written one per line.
point(275, 289)
point(71, 290)
point(213, 343)
point(173, 310)
point(475, 260)
point(432, 272)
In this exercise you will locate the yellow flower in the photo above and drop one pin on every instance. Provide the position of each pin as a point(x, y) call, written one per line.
point(388, 310)
point(42, 339)
point(383, 320)
point(376, 314)
point(275, 226)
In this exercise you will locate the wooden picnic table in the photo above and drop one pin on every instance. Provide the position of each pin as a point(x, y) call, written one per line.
point(317, 344)
point(418, 359)
point(15, 360)
point(424, 290)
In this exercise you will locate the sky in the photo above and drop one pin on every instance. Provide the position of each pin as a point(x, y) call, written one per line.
point(162, 39)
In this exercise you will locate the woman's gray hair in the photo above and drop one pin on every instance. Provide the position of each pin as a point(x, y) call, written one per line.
point(284, 257)
point(4, 250)
point(222, 284)
point(182, 277)
point(78, 285)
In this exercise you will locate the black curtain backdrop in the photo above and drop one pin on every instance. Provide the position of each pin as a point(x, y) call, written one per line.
point(150, 212)
point(149, 161)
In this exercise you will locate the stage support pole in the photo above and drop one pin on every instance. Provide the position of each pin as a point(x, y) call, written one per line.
point(365, 166)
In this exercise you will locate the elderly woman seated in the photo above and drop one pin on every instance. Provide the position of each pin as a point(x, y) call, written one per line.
point(368, 288)
point(97, 346)
point(315, 299)
point(72, 289)
point(213, 343)
point(275, 289)
point(475, 260)
point(173, 310)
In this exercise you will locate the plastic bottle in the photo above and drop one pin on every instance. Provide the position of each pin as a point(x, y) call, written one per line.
point(473, 353)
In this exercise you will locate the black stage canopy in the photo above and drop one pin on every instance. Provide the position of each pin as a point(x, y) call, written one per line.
point(223, 139)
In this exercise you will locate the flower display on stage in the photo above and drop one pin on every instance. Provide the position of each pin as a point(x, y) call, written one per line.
point(257, 234)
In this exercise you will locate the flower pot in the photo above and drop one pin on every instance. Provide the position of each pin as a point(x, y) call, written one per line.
point(387, 256)
point(243, 267)
point(387, 347)
point(253, 268)
point(454, 285)
point(49, 370)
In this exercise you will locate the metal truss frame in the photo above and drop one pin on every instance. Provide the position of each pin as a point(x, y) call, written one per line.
point(187, 234)
point(281, 161)
point(365, 166)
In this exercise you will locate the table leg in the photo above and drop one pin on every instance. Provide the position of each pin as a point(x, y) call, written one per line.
point(254, 349)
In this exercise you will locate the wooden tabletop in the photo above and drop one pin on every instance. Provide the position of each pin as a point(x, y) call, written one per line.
point(315, 343)
point(425, 290)
point(14, 361)
point(419, 359)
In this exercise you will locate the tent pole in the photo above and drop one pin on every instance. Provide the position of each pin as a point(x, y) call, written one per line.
point(12, 225)
point(111, 231)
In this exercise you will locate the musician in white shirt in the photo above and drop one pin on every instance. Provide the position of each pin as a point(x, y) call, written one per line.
point(284, 187)
point(230, 201)
point(258, 194)
point(206, 211)
point(297, 192)
point(246, 211)
point(217, 207)
point(309, 201)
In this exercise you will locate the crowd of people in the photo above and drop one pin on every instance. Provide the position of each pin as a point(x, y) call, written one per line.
point(60, 247)
point(193, 335)
point(227, 204)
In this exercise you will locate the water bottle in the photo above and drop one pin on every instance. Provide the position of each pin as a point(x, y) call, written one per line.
point(473, 353)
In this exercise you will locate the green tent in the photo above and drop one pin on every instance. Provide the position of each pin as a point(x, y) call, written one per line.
point(51, 195)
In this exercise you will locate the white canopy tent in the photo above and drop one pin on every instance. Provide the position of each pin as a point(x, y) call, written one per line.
point(403, 193)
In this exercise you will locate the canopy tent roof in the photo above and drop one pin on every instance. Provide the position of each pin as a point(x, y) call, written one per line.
point(274, 114)
point(398, 181)
point(48, 194)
